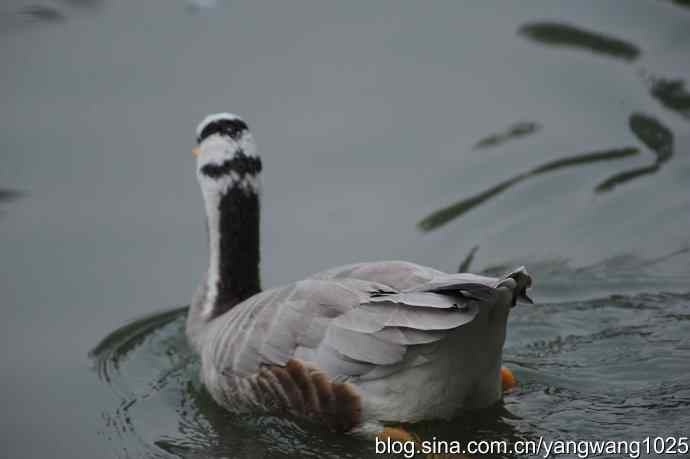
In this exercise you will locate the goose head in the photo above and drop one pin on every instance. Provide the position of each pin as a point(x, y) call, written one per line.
point(226, 155)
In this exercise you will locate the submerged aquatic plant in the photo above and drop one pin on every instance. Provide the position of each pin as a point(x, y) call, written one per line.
point(561, 34)
point(648, 130)
point(673, 95)
point(446, 214)
point(517, 130)
point(657, 137)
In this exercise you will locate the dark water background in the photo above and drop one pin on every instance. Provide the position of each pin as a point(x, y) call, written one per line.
point(554, 134)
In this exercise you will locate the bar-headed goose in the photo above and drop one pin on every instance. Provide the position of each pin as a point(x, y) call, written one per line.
point(352, 347)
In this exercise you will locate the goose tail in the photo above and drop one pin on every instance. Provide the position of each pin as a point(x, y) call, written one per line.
point(518, 281)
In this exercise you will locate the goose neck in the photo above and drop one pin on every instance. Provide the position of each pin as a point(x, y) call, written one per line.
point(233, 235)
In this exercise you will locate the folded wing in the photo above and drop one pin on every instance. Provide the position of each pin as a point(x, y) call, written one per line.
point(356, 321)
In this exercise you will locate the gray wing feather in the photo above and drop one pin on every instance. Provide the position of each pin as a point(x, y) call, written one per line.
point(364, 347)
point(334, 321)
point(372, 317)
point(451, 281)
point(398, 275)
point(339, 365)
point(421, 299)
point(413, 358)
point(471, 285)
point(424, 318)
point(281, 339)
point(409, 336)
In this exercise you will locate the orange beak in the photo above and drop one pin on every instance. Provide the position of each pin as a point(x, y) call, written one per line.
point(196, 151)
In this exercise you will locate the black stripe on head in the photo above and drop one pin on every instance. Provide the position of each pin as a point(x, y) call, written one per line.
point(241, 164)
point(233, 128)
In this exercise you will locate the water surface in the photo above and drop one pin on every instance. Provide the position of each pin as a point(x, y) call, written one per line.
point(553, 134)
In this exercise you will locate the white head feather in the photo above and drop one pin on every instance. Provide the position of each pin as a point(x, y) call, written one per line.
point(217, 148)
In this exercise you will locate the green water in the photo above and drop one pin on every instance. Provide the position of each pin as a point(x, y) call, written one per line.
point(550, 134)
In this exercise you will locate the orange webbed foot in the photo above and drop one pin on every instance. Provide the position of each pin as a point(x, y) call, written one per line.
point(396, 434)
point(508, 381)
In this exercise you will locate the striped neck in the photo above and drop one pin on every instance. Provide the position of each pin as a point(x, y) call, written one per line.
point(233, 235)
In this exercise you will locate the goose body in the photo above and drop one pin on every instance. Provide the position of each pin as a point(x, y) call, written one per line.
point(351, 347)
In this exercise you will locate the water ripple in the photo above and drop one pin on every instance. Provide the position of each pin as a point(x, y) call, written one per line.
point(625, 371)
